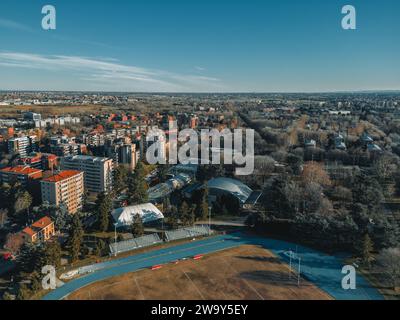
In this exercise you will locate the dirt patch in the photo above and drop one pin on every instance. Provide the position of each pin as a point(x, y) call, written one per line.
point(244, 273)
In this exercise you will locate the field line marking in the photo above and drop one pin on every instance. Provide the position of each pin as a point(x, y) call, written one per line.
point(214, 281)
point(140, 290)
point(139, 269)
point(174, 286)
point(245, 281)
point(187, 276)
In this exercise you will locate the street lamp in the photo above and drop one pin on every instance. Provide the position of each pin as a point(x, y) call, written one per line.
point(299, 273)
point(209, 220)
point(162, 228)
point(115, 233)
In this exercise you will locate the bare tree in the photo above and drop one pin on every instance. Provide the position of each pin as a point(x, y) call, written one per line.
point(389, 261)
point(386, 166)
point(315, 173)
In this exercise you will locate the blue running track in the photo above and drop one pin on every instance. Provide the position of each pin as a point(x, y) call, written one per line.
point(321, 269)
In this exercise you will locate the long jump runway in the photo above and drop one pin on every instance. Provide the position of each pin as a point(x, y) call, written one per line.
point(322, 270)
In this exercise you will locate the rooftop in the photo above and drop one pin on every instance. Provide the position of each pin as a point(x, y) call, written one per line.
point(38, 226)
point(235, 187)
point(86, 158)
point(21, 170)
point(147, 212)
point(63, 175)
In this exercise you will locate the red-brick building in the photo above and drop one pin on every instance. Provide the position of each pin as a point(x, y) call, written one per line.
point(41, 230)
point(21, 174)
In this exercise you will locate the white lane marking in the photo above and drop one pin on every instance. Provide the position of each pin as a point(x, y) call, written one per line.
point(245, 281)
point(202, 297)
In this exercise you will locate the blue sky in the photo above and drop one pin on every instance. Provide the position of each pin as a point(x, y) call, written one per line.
point(200, 46)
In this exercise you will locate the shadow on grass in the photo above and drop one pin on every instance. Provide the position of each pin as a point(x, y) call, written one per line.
point(261, 259)
point(271, 277)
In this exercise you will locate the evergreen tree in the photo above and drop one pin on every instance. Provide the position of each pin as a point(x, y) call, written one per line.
point(76, 238)
point(192, 215)
point(27, 258)
point(276, 200)
point(137, 186)
point(60, 215)
point(295, 162)
point(137, 227)
point(186, 214)
point(173, 218)
point(367, 249)
point(100, 248)
point(120, 178)
point(36, 282)
point(202, 208)
point(85, 251)
point(52, 254)
point(103, 210)
point(183, 212)
point(6, 199)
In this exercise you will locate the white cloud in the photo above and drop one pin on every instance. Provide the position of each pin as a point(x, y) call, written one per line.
point(9, 24)
point(109, 72)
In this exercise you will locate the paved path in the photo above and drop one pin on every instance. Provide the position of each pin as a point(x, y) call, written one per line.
point(321, 269)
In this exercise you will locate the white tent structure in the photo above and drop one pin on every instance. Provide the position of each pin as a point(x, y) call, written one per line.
point(125, 216)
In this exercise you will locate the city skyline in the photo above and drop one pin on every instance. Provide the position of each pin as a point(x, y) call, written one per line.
point(277, 46)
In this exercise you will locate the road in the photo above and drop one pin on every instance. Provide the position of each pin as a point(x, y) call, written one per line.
point(224, 223)
point(237, 223)
point(321, 269)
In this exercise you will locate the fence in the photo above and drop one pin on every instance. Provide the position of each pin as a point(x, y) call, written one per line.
point(133, 244)
point(190, 232)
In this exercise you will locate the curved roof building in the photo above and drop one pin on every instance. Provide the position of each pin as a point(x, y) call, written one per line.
point(232, 186)
point(125, 216)
point(162, 190)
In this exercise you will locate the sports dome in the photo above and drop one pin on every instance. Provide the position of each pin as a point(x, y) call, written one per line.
point(232, 186)
point(125, 216)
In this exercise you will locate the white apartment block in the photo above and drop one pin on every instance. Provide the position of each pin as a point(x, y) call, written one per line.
point(98, 172)
point(22, 146)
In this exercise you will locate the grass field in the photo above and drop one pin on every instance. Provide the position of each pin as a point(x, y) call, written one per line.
point(244, 273)
point(15, 111)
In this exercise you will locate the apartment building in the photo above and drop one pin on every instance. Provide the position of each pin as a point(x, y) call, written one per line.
point(127, 155)
point(123, 153)
point(63, 146)
point(22, 146)
point(65, 149)
point(32, 116)
point(42, 161)
point(21, 174)
point(65, 187)
point(98, 172)
point(94, 140)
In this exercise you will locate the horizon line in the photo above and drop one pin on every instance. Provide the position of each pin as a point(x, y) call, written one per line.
point(207, 92)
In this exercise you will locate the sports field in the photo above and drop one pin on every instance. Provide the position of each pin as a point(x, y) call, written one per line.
point(245, 272)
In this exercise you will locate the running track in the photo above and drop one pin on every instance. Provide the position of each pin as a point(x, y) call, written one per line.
point(321, 269)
